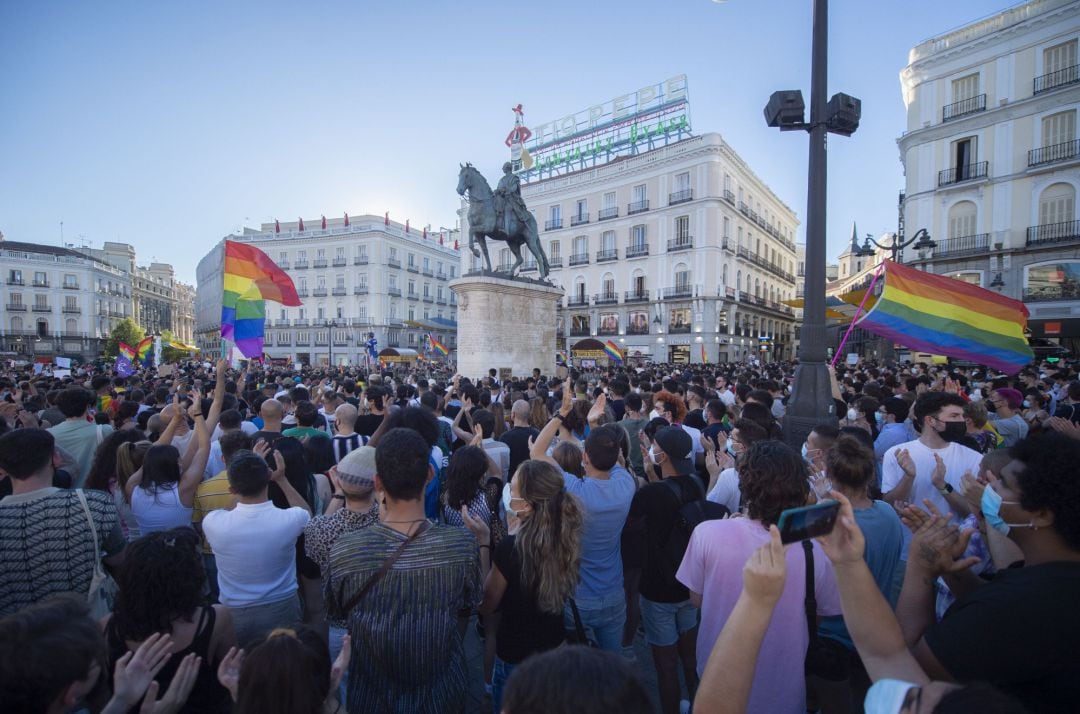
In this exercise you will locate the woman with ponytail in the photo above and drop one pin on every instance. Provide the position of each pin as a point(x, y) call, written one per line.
point(534, 569)
point(116, 458)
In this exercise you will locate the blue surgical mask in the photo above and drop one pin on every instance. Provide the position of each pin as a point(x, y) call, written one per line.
point(991, 510)
point(731, 451)
point(805, 452)
point(879, 418)
point(1027, 403)
point(887, 696)
point(506, 502)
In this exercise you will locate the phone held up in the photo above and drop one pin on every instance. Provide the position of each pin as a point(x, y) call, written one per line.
point(808, 521)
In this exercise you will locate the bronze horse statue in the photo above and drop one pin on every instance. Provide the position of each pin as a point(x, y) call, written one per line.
point(482, 223)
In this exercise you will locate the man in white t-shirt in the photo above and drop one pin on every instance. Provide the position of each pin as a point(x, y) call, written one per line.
point(932, 466)
point(255, 548)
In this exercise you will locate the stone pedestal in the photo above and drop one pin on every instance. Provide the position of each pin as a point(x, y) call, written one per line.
point(505, 323)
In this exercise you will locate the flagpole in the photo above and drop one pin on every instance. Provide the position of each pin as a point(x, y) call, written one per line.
point(858, 311)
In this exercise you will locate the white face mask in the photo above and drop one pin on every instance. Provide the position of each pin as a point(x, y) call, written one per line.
point(653, 457)
point(887, 696)
point(506, 503)
point(852, 415)
point(654, 414)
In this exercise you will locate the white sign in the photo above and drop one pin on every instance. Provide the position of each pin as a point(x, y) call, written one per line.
point(852, 358)
point(63, 362)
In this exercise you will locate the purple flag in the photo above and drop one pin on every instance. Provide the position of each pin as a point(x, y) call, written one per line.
point(123, 366)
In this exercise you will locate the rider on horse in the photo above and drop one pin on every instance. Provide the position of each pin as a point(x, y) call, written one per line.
point(508, 193)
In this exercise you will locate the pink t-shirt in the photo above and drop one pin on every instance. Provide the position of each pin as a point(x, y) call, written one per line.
point(713, 567)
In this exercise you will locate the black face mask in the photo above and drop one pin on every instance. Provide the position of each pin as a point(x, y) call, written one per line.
point(953, 431)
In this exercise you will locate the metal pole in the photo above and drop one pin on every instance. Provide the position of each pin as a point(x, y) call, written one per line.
point(811, 400)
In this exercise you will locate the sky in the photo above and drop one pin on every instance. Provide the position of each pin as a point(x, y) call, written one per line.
point(169, 125)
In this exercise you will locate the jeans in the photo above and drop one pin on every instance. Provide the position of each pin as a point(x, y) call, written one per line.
point(666, 622)
point(336, 636)
point(603, 616)
point(499, 675)
point(254, 622)
point(210, 566)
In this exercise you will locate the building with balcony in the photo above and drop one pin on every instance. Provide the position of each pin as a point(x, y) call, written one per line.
point(992, 158)
point(154, 293)
point(668, 251)
point(59, 301)
point(371, 276)
point(184, 315)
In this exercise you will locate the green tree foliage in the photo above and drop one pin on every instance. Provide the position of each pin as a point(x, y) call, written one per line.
point(127, 331)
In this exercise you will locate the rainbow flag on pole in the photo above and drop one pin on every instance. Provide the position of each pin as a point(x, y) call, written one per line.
point(438, 346)
point(143, 350)
point(250, 278)
point(613, 351)
point(942, 315)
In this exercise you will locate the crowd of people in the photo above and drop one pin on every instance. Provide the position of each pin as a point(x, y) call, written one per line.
point(323, 540)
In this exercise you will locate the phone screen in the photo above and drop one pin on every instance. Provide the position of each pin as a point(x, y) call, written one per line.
point(808, 521)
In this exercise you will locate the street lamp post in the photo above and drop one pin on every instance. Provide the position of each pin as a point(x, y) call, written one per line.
point(811, 399)
point(921, 240)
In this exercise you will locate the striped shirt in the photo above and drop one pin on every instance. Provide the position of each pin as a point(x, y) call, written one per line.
point(345, 444)
point(212, 495)
point(407, 654)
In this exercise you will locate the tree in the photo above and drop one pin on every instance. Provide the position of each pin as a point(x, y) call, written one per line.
point(171, 354)
point(126, 331)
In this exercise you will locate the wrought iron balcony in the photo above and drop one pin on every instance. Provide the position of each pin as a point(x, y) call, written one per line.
point(579, 332)
point(339, 262)
point(41, 283)
point(554, 263)
point(360, 290)
point(71, 286)
point(339, 292)
point(603, 256)
point(283, 264)
point(529, 267)
point(412, 295)
point(302, 292)
point(318, 292)
point(579, 259)
point(959, 174)
point(300, 265)
point(411, 268)
point(320, 262)
point(962, 245)
point(636, 296)
point(727, 244)
point(393, 262)
point(360, 260)
point(19, 281)
point(48, 308)
point(553, 224)
point(393, 292)
point(680, 243)
point(606, 213)
point(611, 298)
point(579, 220)
point(964, 107)
point(1050, 233)
point(637, 329)
point(577, 301)
point(637, 250)
point(1060, 78)
point(679, 291)
point(678, 329)
point(729, 196)
point(1054, 153)
point(16, 307)
point(637, 207)
point(72, 311)
point(428, 272)
point(681, 196)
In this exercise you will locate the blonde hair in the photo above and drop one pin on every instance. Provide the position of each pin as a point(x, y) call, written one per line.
point(129, 459)
point(549, 542)
point(538, 413)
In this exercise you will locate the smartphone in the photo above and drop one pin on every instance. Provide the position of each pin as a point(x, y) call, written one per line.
point(808, 521)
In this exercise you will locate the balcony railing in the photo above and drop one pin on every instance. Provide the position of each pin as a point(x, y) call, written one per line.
point(555, 262)
point(602, 256)
point(727, 244)
point(605, 213)
point(959, 174)
point(579, 220)
point(1048, 233)
point(320, 262)
point(678, 329)
point(611, 298)
point(579, 332)
point(765, 264)
point(360, 290)
point(339, 262)
point(504, 267)
point(553, 224)
point(318, 292)
point(283, 264)
point(962, 245)
point(636, 296)
point(411, 268)
point(729, 196)
point(393, 262)
point(301, 322)
point(637, 250)
point(1051, 293)
point(71, 286)
point(15, 281)
point(395, 292)
point(679, 291)
point(339, 292)
point(428, 299)
point(440, 301)
point(41, 283)
point(360, 260)
point(579, 259)
point(428, 272)
point(681, 196)
point(964, 107)
point(680, 243)
point(281, 323)
point(300, 265)
point(72, 311)
point(577, 301)
point(48, 308)
point(637, 207)
point(412, 295)
point(16, 307)
point(1054, 153)
point(1053, 80)
point(302, 292)
point(529, 266)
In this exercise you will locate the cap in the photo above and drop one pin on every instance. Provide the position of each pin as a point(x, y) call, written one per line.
point(356, 472)
point(678, 446)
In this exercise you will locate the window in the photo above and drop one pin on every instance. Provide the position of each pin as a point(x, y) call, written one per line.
point(412, 260)
point(553, 250)
point(963, 156)
point(412, 287)
point(1059, 57)
point(739, 242)
point(639, 194)
point(555, 214)
point(453, 270)
point(71, 303)
point(727, 182)
point(40, 278)
point(322, 313)
point(361, 252)
point(682, 280)
point(361, 312)
point(322, 282)
point(392, 284)
point(361, 280)
point(581, 245)
point(1059, 280)
point(393, 311)
point(393, 253)
point(1059, 128)
point(727, 227)
point(302, 313)
point(965, 88)
point(962, 219)
point(682, 229)
point(427, 263)
point(439, 292)
point(637, 237)
point(412, 313)
point(42, 328)
point(609, 286)
point(609, 200)
point(972, 278)
point(340, 311)
point(607, 242)
point(301, 255)
point(581, 209)
point(504, 257)
point(427, 289)
point(1057, 204)
point(340, 253)
point(341, 282)
point(723, 278)
point(283, 257)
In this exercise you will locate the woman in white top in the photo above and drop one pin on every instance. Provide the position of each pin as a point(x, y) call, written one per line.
point(162, 493)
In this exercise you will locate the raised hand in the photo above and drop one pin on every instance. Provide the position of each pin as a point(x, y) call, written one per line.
point(907, 464)
point(262, 448)
point(228, 672)
point(278, 472)
point(476, 526)
point(478, 436)
point(937, 476)
point(937, 544)
point(766, 570)
point(136, 670)
point(972, 489)
point(179, 689)
point(567, 399)
point(597, 409)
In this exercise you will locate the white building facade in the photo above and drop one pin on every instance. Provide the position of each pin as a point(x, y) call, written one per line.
point(678, 254)
point(58, 301)
point(372, 276)
point(992, 159)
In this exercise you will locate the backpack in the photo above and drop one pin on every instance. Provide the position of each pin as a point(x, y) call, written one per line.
point(692, 511)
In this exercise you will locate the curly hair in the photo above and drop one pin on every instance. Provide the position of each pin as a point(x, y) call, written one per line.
point(160, 581)
point(549, 541)
point(104, 467)
point(772, 478)
point(1049, 481)
point(673, 403)
point(464, 476)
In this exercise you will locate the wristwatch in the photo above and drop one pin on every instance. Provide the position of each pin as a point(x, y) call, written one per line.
point(339, 496)
point(559, 416)
point(946, 489)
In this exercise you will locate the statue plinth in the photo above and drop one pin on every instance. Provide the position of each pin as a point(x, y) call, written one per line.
point(505, 323)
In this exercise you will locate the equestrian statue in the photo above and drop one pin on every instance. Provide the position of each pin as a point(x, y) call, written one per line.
point(500, 215)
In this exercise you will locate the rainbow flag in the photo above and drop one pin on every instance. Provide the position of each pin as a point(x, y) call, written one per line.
point(704, 357)
point(942, 315)
point(144, 349)
point(438, 346)
point(613, 351)
point(126, 350)
point(250, 278)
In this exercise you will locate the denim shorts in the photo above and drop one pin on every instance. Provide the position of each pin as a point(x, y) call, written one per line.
point(665, 622)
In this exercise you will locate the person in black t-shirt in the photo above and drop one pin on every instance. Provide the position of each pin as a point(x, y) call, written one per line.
point(670, 620)
point(376, 397)
point(517, 437)
point(534, 569)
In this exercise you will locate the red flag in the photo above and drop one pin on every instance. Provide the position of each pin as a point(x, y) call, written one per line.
point(301, 225)
point(455, 245)
point(324, 223)
point(386, 219)
point(277, 226)
point(346, 219)
point(406, 225)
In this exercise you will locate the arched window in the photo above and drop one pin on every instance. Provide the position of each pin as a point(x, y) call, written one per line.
point(738, 280)
point(749, 283)
point(723, 275)
point(579, 290)
point(757, 288)
point(608, 284)
point(1057, 204)
point(962, 219)
point(42, 328)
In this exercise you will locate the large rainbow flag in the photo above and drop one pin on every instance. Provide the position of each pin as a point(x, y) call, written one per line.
point(942, 315)
point(250, 278)
point(125, 349)
point(143, 350)
point(438, 346)
point(613, 351)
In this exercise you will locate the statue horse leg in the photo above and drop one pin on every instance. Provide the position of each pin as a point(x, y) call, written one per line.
point(532, 240)
point(515, 248)
point(484, 250)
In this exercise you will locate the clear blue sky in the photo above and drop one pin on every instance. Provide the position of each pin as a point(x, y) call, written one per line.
point(170, 124)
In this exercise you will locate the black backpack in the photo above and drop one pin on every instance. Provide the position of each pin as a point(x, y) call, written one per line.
point(693, 509)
